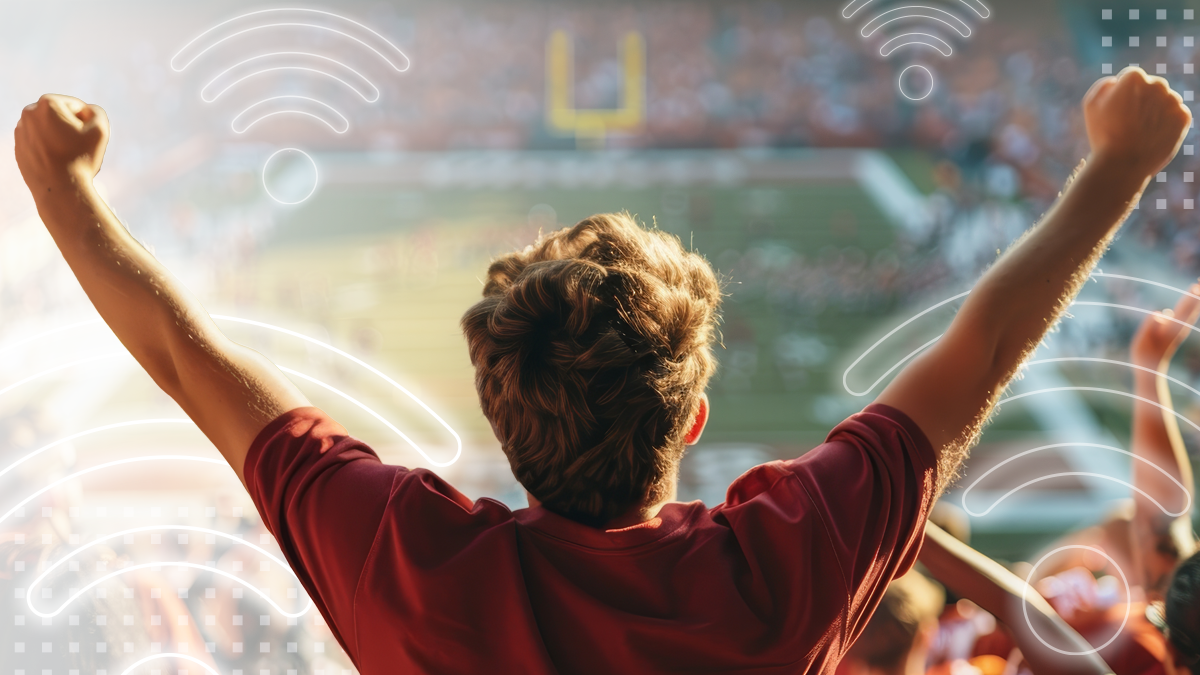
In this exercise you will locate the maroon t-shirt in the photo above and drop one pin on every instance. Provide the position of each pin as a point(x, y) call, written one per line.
point(414, 578)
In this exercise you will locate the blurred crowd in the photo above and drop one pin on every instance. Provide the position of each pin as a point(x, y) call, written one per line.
point(151, 594)
point(1003, 128)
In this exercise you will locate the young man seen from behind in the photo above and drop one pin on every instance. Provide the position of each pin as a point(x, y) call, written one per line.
point(592, 350)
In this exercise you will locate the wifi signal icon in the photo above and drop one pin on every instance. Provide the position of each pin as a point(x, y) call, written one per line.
point(311, 83)
point(916, 82)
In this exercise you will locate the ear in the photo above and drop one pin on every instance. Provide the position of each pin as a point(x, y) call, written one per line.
point(701, 420)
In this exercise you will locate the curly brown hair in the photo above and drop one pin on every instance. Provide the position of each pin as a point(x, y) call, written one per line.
point(592, 348)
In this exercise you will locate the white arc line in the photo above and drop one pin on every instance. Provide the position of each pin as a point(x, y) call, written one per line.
point(178, 68)
point(326, 346)
point(855, 5)
point(1025, 601)
point(106, 465)
point(345, 122)
point(1187, 495)
point(372, 369)
point(189, 528)
point(957, 24)
point(1152, 371)
point(1085, 303)
point(170, 655)
point(908, 39)
point(1144, 281)
point(204, 97)
point(89, 432)
point(64, 366)
point(1101, 390)
point(53, 331)
point(889, 334)
point(371, 412)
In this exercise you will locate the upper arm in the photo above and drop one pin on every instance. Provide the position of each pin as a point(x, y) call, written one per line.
point(948, 391)
point(323, 495)
point(230, 392)
point(873, 485)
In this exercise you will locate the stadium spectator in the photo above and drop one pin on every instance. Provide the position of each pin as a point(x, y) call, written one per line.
point(592, 352)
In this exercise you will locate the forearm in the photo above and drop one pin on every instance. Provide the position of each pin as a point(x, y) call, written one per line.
point(1020, 298)
point(950, 390)
point(1157, 440)
point(149, 311)
point(988, 584)
point(1159, 540)
point(229, 391)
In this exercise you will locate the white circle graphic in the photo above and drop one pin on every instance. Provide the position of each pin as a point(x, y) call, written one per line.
point(267, 164)
point(900, 83)
point(1025, 602)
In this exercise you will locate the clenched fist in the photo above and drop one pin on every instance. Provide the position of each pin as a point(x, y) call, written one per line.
point(1135, 120)
point(60, 139)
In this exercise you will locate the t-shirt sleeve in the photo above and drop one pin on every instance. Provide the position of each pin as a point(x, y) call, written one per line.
point(856, 507)
point(323, 495)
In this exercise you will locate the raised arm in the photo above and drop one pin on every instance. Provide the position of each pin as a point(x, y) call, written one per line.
point(990, 585)
point(1160, 541)
point(231, 392)
point(1135, 124)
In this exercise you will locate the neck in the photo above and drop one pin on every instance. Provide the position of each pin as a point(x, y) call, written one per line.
point(635, 516)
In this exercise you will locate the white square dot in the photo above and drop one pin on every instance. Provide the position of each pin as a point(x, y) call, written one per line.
point(1160, 41)
point(1188, 94)
point(319, 647)
point(1160, 69)
point(1189, 204)
point(1189, 41)
point(1135, 41)
point(1189, 14)
point(1189, 149)
point(1106, 41)
point(1161, 15)
point(1134, 14)
point(1160, 204)
point(1106, 69)
point(1106, 14)
point(1161, 177)
point(1189, 68)
point(1189, 176)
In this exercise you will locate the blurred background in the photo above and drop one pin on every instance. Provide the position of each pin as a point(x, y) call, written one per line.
point(770, 136)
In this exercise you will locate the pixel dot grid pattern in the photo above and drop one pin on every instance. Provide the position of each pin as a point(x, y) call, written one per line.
point(1156, 41)
point(28, 634)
